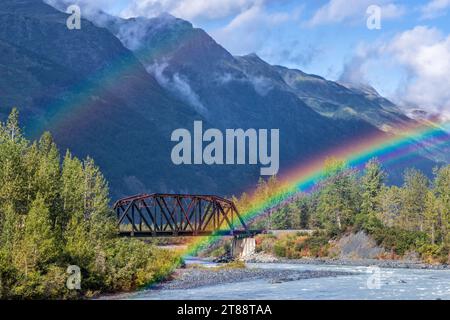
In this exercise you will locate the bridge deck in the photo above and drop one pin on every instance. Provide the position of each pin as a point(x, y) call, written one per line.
point(147, 234)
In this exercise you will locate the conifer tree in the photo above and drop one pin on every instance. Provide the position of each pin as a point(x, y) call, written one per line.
point(415, 193)
point(48, 177)
point(431, 215)
point(338, 198)
point(442, 188)
point(391, 206)
point(13, 186)
point(372, 184)
point(39, 246)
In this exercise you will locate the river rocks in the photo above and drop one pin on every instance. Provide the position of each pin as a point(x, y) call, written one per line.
point(260, 257)
point(226, 258)
point(366, 263)
point(193, 278)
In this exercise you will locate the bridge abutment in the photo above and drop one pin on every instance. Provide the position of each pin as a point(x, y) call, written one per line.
point(243, 247)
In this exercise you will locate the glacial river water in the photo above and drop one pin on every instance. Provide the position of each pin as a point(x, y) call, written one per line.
point(368, 283)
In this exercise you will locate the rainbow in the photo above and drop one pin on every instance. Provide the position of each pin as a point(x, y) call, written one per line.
point(77, 101)
point(388, 148)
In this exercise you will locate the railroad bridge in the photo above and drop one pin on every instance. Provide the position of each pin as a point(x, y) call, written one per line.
point(159, 215)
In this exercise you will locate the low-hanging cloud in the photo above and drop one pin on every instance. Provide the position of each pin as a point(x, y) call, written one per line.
point(178, 84)
point(261, 84)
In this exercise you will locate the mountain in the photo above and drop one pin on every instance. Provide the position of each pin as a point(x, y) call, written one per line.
point(342, 100)
point(172, 49)
point(91, 92)
point(117, 89)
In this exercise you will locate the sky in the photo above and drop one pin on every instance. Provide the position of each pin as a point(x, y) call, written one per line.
point(406, 58)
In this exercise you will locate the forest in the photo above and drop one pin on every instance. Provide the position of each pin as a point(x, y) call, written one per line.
point(410, 219)
point(55, 213)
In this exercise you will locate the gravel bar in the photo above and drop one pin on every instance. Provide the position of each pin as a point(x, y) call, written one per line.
point(194, 278)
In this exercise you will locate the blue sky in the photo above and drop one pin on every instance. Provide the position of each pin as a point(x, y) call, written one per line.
point(407, 60)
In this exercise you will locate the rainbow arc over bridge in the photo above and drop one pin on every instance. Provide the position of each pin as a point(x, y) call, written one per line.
point(389, 149)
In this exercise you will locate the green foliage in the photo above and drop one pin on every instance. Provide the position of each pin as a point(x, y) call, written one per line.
point(286, 217)
point(400, 240)
point(39, 246)
point(372, 184)
point(411, 218)
point(53, 215)
point(414, 192)
point(338, 199)
point(146, 264)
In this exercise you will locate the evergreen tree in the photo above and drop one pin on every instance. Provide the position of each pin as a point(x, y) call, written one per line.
point(442, 188)
point(72, 193)
point(48, 177)
point(431, 215)
point(338, 199)
point(13, 186)
point(10, 223)
point(372, 184)
point(415, 193)
point(96, 202)
point(391, 206)
point(39, 247)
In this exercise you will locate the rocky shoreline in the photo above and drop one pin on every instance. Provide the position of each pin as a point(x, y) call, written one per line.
point(193, 278)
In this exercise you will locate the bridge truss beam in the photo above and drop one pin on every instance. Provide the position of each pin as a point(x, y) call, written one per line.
point(157, 215)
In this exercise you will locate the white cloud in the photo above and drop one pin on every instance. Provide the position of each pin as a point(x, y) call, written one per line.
point(190, 10)
point(178, 84)
point(336, 11)
point(357, 69)
point(250, 30)
point(423, 56)
point(425, 53)
point(435, 8)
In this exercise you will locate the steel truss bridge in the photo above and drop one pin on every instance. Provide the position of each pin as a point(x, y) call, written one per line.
point(159, 215)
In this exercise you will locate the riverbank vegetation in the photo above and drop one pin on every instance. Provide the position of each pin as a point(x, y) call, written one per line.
point(412, 218)
point(54, 213)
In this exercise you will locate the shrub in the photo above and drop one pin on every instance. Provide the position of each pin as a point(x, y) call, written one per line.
point(399, 240)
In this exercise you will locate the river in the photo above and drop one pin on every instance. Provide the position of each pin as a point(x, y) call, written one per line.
point(365, 283)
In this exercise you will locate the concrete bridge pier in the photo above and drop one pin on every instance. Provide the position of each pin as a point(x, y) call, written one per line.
point(243, 247)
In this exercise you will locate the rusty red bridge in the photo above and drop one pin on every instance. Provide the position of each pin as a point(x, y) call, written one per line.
point(159, 215)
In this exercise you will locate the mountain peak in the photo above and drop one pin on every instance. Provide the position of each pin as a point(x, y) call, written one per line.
point(252, 56)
